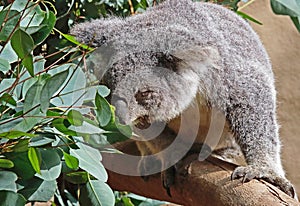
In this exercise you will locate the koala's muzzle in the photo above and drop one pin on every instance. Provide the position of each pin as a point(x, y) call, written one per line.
point(142, 122)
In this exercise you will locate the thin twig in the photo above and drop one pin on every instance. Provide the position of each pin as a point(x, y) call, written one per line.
point(131, 7)
point(246, 4)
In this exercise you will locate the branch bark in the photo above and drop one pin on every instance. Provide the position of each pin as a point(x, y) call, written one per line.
point(196, 183)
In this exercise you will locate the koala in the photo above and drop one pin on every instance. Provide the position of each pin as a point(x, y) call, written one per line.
point(182, 55)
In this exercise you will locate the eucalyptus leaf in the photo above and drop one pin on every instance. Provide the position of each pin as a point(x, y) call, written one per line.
point(90, 161)
point(22, 43)
point(50, 87)
point(8, 181)
point(4, 65)
point(33, 14)
point(8, 53)
point(103, 110)
point(34, 158)
point(6, 83)
point(96, 193)
point(79, 177)
point(9, 20)
point(75, 118)
point(74, 89)
point(40, 141)
point(296, 21)
point(73, 40)
point(50, 166)
point(8, 198)
point(7, 98)
point(22, 166)
point(86, 128)
point(33, 95)
point(37, 189)
point(15, 134)
point(5, 163)
point(45, 28)
point(71, 161)
point(292, 5)
point(62, 125)
point(27, 62)
point(21, 146)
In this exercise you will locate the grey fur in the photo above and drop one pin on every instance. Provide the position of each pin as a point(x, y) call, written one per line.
point(179, 49)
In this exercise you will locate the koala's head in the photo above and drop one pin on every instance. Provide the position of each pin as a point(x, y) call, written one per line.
point(153, 73)
point(150, 86)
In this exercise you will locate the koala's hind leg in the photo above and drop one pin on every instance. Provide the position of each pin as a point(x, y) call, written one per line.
point(253, 121)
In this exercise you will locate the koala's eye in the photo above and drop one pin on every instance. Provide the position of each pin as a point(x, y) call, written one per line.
point(168, 61)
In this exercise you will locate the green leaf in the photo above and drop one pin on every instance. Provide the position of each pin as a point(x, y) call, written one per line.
point(87, 128)
point(246, 16)
point(22, 43)
point(72, 39)
point(62, 126)
point(8, 53)
point(8, 99)
point(103, 90)
point(79, 177)
point(31, 106)
point(33, 15)
point(37, 189)
point(286, 7)
point(42, 140)
point(45, 28)
point(21, 146)
point(8, 198)
point(127, 201)
point(8, 181)
point(50, 87)
point(75, 118)
point(9, 19)
point(4, 65)
point(103, 110)
point(32, 97)
point(35, 159)
point(296, 21)
point(96, 193)
point(73, 92)
point(89, 160)
point(50, 166)
point(71, 161)
point(22, 166)
point(27, 62)
point(5, 163)
point(15, 134)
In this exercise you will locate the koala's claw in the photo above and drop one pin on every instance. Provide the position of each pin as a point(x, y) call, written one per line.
point(168, 178)
point(248, 173)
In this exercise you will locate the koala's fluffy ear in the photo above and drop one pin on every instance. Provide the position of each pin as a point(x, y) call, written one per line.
point(96, 32)
point(195, 56)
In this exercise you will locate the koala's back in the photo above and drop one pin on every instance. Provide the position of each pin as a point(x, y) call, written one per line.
point(183, 23)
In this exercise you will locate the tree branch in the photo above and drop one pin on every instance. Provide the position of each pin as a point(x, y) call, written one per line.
point(196, 183)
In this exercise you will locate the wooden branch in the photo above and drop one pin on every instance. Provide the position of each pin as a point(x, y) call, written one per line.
point(196, 183)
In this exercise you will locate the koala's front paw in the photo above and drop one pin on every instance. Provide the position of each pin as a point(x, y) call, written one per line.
point(251, 172)
point(168, 178)
point(149, 165)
